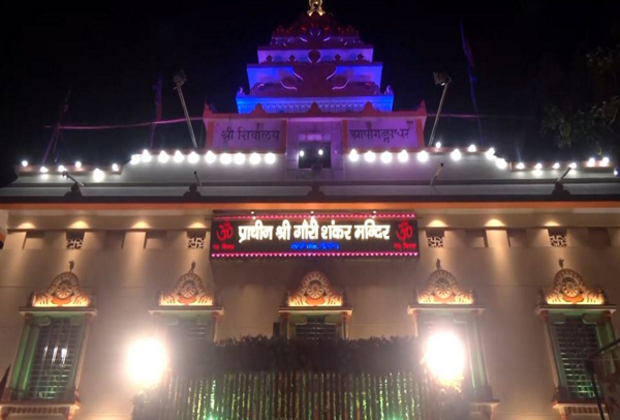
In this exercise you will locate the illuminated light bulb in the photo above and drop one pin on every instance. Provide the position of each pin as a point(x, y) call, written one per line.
point(445, 357)
point(302, 153)
point(403, 156)
point(270, 158)
point(61, 168)
point(193, 158)
point(24, 163)
point(520, 166)
point(456, 155)
point(115, 167)
point(423, 156)
point(163, 157)
point(386, 157)
point(178, 157)
point(354, 156)
point(573, 165)
point(320, 152)
point(472, 148)
point(146, 156)
point(239, 158)
point(370, 156)
point(604, 161)
point(78, 164)
point(438, 145)
point(44, 170)
point(225, 158)
point(538, 166)
point(254, 158)
point(98, 175)
point(591, 163)
point(556, 165)
point(210, 157)
point(615, 172)
point(490, 154)
point(501, 163)
point(146, 362)
point(135, 159)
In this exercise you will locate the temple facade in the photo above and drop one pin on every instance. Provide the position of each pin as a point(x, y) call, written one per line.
point(299, 264)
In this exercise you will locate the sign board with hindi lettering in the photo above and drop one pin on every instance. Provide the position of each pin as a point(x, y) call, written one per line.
point(323, 235)
point(384, 134)
point(247, 135)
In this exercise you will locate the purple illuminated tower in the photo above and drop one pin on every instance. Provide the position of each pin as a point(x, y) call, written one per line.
point(315, 61)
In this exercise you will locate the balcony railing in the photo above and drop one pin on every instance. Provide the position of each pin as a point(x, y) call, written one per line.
point(261, 379)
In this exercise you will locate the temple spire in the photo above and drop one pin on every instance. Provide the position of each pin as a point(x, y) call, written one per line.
point(316, 6)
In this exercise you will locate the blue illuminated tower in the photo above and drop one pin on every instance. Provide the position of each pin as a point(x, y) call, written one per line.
point(315, 61)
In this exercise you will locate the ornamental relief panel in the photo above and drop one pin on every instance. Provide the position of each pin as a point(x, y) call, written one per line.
point(443, 288)
point(569, 288)
point(64, 291)
point(188, 291)
point(315, 290)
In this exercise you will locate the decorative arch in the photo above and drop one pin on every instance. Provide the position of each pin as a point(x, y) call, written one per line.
point(443, 288)
point(569, 288)
point(315, 290)
point(65, 291)
point(188, 291)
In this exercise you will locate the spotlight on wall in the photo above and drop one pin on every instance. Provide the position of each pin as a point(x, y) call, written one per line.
point(456, 155)
point(163, 157)
point(438, 145)
point(98, 175)
point(605, 161)
point(520, 166)
point(591, 163)
point(501, 163)
point(386, 157)
point(490, 154)
point(225, 158)
point(270, 158)
point(115, 167)
point(320, 152)
point(193, 158)
point(254, 159)
point(146, 156)
point(302, 153)
point(354, 156)
point(403, 156)
point(210, 157)
point(78, 164)
point(44, 170)
point(178, 157)
point(24, 163)
point(556, 165)
point(423, 156)
point(472, 148)
point(239, 158)
point(370, 156)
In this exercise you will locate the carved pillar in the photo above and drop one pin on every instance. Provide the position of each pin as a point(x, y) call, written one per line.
point(345, 325)
point(216, 322)
point(285, 321)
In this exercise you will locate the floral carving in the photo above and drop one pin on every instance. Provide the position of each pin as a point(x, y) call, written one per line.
point(570, 288)
point(64, 291)
point(443, 288)
point(188, 291)
point(315, 290)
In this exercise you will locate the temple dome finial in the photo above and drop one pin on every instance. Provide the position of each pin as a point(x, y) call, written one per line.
point(316, 6)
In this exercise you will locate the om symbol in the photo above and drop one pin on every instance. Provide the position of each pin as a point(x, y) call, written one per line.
point(405, 231)
point(225, 231)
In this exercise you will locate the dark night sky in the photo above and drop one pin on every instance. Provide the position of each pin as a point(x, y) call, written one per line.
point(109, 54)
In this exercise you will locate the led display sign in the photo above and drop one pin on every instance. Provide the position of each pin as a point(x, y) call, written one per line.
point(316, 236)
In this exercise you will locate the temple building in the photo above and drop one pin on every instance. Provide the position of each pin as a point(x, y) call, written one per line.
point(315, 259)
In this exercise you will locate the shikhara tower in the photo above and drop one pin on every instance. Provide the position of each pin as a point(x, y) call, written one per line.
point(315, 60)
